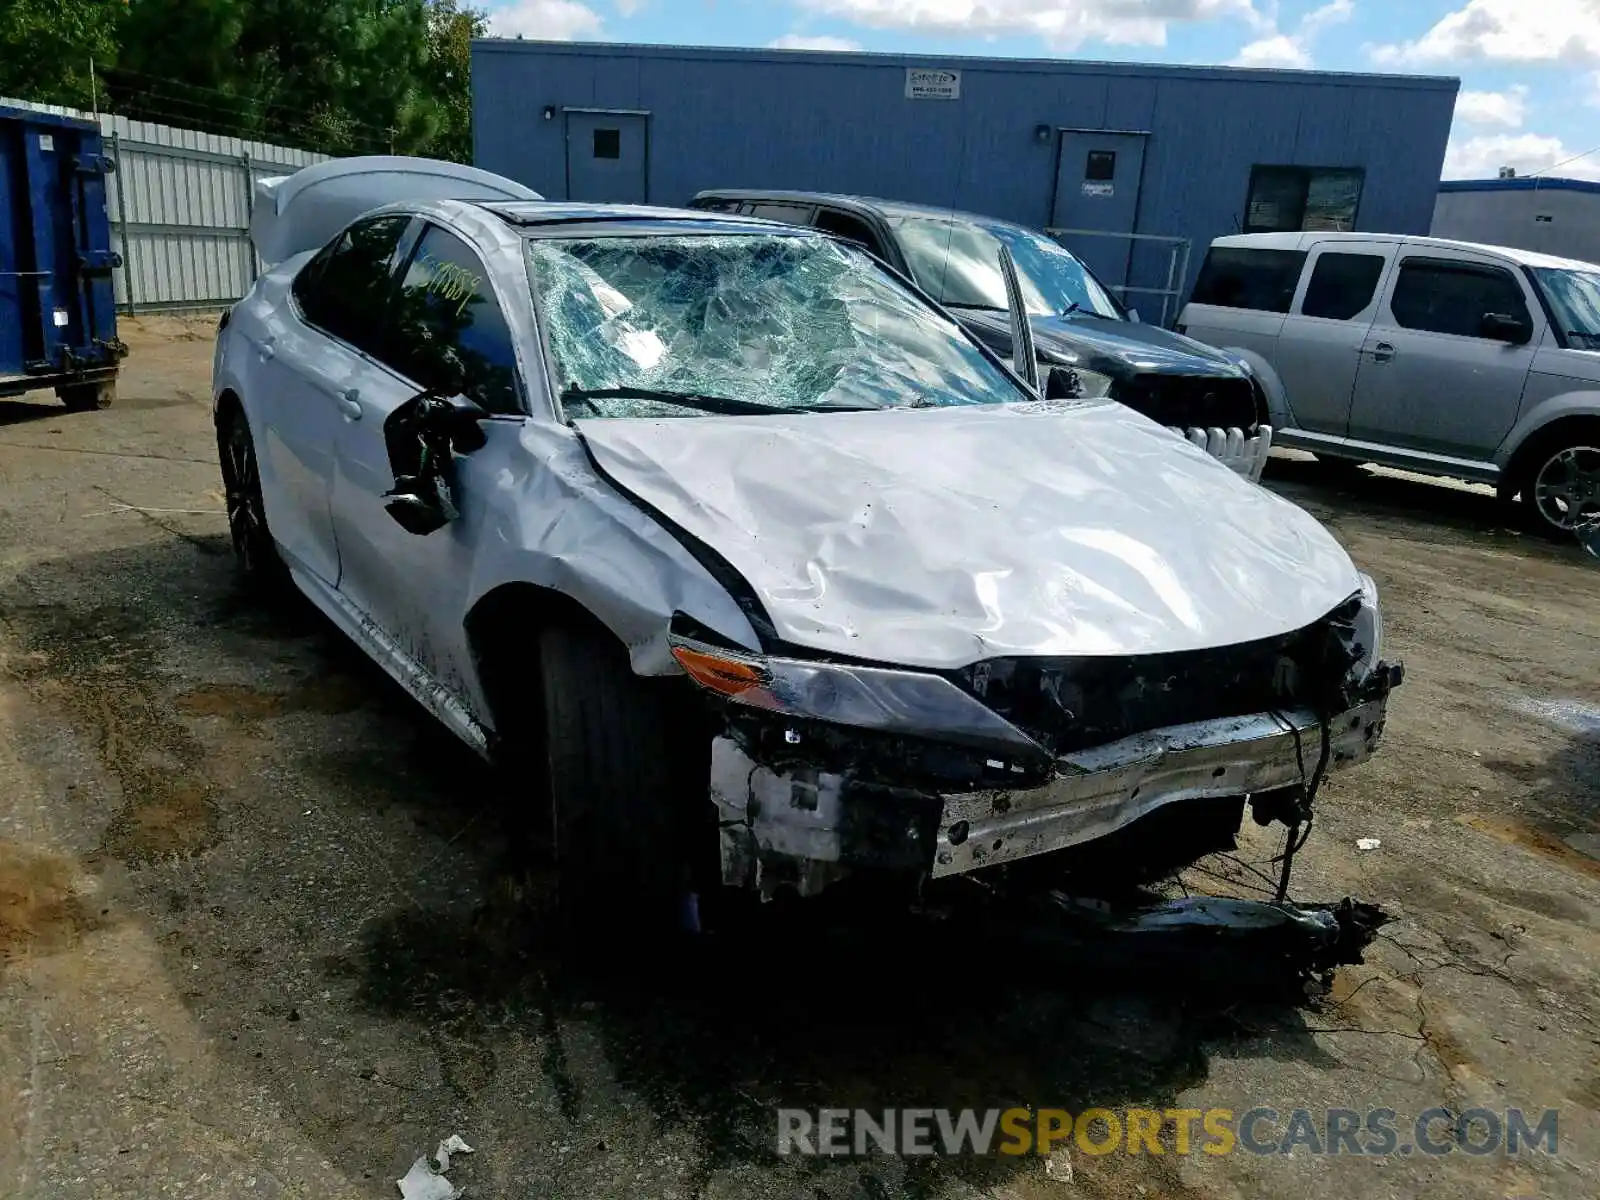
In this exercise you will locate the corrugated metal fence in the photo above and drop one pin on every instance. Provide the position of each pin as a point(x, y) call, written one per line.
point(179, 203)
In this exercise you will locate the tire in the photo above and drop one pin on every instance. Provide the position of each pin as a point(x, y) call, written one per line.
point(253, 547)
point(628, 777)
point(1558, 478)
point(88, 397)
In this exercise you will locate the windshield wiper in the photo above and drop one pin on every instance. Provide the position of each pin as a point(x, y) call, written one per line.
point(977, 307)
point(1070, 309)
point(725, 406)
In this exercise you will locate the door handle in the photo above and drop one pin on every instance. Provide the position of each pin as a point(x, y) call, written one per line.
point(1382, 352)
point(268, 348)
point(350, 404)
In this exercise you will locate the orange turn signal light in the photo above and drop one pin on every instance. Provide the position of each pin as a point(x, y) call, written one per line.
point(724, 675)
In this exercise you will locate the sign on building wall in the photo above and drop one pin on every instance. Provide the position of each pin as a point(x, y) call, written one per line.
point(932, 83)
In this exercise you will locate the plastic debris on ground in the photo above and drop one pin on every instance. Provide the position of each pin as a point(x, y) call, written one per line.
point(1058, 1167)
point(425, 1181)
point(1368, 843)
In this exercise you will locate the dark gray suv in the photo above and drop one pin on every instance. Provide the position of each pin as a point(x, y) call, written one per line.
point(1210, 396)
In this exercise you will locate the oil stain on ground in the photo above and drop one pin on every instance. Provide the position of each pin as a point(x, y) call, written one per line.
point(100, 664)
point(325, 694)
point(41, 908)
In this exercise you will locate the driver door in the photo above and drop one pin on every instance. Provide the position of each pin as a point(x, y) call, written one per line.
point(1431, 376)
point(446, 326)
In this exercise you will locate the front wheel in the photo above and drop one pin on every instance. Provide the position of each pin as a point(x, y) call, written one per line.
point(1561, 489)
point(628, 775)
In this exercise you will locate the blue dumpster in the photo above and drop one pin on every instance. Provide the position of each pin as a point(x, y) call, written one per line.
point(58, 317)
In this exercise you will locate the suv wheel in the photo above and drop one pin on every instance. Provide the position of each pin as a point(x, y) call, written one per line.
point(628, 786)
point(1562, 483)
point(247, 514)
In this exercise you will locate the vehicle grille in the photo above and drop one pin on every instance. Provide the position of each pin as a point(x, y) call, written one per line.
point(1190, 401)
point(1072, 703)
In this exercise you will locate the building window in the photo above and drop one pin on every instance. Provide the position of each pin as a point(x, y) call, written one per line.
point(608, 143)
point(1293, 199)
point(1102, 166)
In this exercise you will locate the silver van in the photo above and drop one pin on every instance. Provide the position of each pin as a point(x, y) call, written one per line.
point(1450, 358)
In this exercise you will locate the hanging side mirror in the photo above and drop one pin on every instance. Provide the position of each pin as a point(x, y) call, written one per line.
point(1133, 315)
point(1062, 383)
point(423, 436)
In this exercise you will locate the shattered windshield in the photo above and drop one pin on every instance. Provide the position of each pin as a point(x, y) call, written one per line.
point(957, 262)
point(1574, 298)
point(691, 325)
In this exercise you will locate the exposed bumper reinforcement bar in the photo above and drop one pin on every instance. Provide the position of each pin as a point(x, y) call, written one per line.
point(1099, 791)
point(814, 825)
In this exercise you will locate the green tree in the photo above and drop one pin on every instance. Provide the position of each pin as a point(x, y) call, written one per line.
point(46, 46)
point(448, 77)
point(340, 76)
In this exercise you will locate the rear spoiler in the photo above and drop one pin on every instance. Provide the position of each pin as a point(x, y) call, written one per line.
point(299, 212)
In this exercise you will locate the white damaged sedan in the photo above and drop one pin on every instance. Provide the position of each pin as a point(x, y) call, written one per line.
point(758, 569)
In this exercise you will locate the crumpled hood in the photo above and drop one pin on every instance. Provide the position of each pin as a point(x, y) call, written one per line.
point(938, 537)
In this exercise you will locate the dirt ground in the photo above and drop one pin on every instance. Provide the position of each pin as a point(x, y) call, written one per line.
point(261, 934)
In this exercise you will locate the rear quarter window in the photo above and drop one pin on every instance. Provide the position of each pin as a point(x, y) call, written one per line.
point(1238, 277)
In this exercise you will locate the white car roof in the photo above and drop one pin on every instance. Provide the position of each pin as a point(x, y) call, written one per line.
point(1303, 241)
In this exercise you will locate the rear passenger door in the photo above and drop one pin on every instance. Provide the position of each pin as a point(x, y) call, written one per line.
point(1430, 377)
point(1320, 347)
point(309, 366)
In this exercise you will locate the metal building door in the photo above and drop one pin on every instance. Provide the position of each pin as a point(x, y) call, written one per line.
point(608, 156)
point(1097, 187)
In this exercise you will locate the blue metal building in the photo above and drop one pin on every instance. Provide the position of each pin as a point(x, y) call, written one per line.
point(1161, 151)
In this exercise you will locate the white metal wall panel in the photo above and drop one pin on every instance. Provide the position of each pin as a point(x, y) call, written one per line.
point(179, 204)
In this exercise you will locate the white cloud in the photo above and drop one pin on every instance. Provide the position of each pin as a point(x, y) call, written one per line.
point(1531, 31)
point(628, 7)
point(799, 41)
point(1507, 109)
point(1279, 50)
point(1062, 24)
point(547, 20)
point(1274, 49)
point(1481, 156)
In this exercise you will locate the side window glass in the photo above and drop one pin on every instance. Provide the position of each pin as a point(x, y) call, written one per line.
point(447, 324)
point(789, 214)
point(853, 228)
point(1235, 277)
point(345, 289)
point(1446, 296)
point(1342, 285)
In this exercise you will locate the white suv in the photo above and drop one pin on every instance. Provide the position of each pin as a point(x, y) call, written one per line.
point(1475, 362)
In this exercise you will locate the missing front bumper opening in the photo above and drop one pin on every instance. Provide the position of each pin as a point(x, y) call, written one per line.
point(805, 828)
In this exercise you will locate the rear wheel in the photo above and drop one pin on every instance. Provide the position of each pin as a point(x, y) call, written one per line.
point(628, 775)
point(88, 397)
point(1560, 481)
point(247, 514)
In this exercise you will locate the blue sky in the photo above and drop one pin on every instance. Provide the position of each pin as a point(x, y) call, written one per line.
point(1529, 69)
